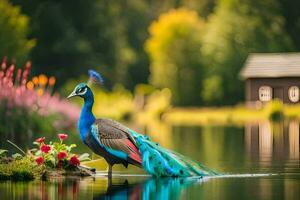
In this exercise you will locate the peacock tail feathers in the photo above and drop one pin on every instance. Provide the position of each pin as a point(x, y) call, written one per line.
point(159, 161)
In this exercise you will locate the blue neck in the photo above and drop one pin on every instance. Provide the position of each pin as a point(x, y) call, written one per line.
point(86, 116)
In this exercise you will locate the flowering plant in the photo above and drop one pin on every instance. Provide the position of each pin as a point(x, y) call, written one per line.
point(57, 155)
point(31, 105)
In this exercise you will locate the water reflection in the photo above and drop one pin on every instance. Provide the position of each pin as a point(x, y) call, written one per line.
point(271, 142)
point(254, 148)
point(99, 188)
point(294, 140)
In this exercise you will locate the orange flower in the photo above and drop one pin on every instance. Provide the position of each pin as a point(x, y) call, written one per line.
point(45, 148)
point(39, 160)
point(74, 160)
point(30, 85)
point(62, 136)
point(43, 79)
point(35, 80)
point(52, 80)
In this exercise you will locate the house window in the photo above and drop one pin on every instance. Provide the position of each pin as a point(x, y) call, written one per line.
point(294, 94)
point(265, 93)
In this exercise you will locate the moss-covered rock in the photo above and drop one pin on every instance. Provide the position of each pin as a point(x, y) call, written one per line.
point(20, 169)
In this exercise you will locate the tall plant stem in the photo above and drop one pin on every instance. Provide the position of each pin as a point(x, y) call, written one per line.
point(16, 146)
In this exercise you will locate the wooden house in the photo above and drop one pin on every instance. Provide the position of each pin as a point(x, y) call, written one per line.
point(272, 75)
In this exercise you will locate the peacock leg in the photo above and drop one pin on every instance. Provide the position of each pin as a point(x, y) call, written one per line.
point(109, 170)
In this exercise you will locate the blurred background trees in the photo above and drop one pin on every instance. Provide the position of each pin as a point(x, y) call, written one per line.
point(196, 48)
point(14, 32)
point(236, 29)
point(174, 48)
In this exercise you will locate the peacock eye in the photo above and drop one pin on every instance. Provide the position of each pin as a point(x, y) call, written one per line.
point(79, 90)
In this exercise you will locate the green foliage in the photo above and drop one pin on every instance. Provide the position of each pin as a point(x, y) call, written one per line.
point(14, 29)
point(212, 89)
point(16, 156)
point(291, 14)
point(174, 49)
point(236, 29)
point(2, 153)
point(89, 34)
point(19, 123)
point(110, 37)
point(20, 169)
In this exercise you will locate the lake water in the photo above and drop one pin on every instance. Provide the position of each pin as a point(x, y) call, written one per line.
point(261, 161)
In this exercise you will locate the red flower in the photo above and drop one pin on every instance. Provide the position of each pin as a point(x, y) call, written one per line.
point(39, 160)
point(62, 136)
point(40, 140)
point(74, 160)
point(61, 155)
point(45, 148)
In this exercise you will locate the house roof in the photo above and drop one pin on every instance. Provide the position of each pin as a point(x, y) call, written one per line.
point(271, 65)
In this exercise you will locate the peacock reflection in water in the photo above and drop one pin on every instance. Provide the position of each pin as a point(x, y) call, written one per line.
point(160, 189)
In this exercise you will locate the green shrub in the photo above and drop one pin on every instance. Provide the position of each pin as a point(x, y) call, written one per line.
point(20, 169)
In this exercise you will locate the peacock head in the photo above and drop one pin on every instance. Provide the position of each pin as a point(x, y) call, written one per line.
point(82, 90)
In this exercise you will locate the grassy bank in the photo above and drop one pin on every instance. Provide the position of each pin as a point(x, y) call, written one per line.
point(236, 115)
point(22, 169)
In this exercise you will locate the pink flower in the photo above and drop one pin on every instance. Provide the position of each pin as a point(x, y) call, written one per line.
point(61, 155)
point(62, 136)
point(40, 140)
point(74, 160)
point(39, 160)
point(45, 148)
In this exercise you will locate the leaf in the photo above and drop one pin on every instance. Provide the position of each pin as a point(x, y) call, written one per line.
point(36, 143)
point(69, 148)
point(3, 151)
point(84, 157)
point(17, 156)
point(38, 153)
point(34, 150)
point(59, 147)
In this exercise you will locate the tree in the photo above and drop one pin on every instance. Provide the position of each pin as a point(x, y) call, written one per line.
point(14, 30)
point(236, 29)
point(174, 48)
point(105, 35)
point(290, 11)
point(73, 37)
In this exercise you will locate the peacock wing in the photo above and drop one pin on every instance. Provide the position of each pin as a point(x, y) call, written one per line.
point(115, 136)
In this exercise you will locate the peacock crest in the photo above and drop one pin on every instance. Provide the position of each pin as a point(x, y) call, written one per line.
point(94, 78)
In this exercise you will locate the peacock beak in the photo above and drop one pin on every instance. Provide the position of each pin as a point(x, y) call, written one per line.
point(73, 94)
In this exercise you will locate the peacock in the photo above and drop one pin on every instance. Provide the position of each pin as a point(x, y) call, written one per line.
point(118, 144)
